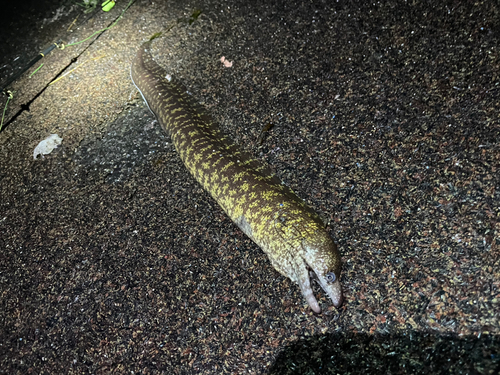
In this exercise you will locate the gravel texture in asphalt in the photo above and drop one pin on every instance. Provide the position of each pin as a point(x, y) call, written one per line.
point(382, 116)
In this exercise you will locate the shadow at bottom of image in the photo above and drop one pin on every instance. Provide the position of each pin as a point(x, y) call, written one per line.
point(403, 353)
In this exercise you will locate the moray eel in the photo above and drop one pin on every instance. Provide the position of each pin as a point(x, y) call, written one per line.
point(286, 229)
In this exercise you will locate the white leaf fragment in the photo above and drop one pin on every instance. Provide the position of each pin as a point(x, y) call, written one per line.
point(46, 146)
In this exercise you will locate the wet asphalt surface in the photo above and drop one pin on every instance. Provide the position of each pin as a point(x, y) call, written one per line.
point(384, 117)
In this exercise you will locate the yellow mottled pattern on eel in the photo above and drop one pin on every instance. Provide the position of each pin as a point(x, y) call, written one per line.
point(290, 233)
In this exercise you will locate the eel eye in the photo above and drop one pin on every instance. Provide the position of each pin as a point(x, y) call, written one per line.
point(330, 277)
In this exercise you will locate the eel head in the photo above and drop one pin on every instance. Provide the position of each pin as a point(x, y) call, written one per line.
point(322, 257)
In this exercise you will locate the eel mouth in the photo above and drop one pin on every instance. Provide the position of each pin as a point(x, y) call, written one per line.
point(333, 289)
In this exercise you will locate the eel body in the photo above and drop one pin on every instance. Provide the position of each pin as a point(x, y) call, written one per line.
point(271, 214)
